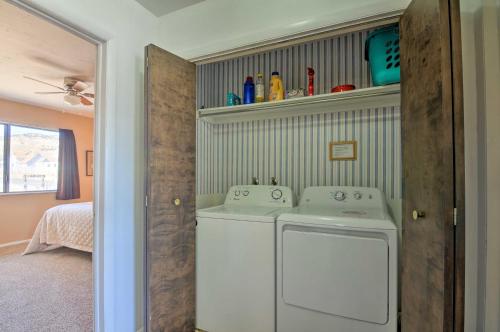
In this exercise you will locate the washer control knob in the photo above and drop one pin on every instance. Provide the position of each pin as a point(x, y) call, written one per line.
point(276, 194)
point(237, 193)
point(246, 192)
point(339, 196)
point(357, 195)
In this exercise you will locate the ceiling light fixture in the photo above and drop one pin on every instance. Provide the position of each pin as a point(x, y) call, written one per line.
point(71, 99)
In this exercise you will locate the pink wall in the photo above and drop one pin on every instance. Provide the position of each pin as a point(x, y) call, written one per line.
point(20, 213)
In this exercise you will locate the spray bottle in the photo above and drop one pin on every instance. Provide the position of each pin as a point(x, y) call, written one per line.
point(310, 86)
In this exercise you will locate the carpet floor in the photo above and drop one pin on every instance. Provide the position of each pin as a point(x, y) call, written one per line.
point(49, 291)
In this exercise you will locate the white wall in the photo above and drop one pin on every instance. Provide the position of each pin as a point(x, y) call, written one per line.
point(489, 108)
point(127, 27)
point(471, 169)
point(216, 25)
point(481, 64)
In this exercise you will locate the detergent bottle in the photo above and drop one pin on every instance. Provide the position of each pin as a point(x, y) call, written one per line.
point(276, 91)
point(249, 91)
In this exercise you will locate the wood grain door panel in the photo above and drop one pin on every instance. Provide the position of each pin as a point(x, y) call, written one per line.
point(170, 174)
point(429, 167)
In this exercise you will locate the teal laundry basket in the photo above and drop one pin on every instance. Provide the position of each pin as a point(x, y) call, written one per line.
point(382, 52)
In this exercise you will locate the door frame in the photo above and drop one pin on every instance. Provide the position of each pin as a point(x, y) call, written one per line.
point(99, 152)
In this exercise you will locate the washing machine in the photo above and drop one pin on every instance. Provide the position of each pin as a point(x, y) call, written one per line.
point(236, 260)
point(337, 263)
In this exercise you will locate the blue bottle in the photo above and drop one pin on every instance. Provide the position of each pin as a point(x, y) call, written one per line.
point(249, 91)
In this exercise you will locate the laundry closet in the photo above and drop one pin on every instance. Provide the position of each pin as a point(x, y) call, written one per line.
point(293, 145)
point(288, 143)
point(375, 136)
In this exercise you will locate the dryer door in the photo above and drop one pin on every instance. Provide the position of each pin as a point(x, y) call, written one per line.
point(336, 272)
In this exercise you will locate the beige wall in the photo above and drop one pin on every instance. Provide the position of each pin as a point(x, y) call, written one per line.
point(19, 213)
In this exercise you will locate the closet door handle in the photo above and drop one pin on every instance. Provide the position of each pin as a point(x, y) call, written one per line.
point(417, 214)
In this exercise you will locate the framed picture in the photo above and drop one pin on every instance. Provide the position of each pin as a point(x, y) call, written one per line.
point(344, 150)
point(89, 162)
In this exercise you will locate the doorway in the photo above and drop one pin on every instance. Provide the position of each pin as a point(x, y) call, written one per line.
point(61, 92)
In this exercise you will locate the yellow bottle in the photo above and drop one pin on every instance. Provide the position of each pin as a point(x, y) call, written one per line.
point(276, 91)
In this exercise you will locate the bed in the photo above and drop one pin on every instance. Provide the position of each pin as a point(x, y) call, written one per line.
point(68, 225)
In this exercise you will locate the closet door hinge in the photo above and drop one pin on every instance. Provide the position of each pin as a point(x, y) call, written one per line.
point(454, 216)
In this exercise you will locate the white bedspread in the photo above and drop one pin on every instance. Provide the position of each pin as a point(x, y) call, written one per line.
point(68, 225)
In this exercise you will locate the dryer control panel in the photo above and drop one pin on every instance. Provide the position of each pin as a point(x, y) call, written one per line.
point(342, 196)
point(260, 195)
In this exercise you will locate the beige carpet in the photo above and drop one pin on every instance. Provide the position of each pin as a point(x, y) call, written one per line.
point(50, 291)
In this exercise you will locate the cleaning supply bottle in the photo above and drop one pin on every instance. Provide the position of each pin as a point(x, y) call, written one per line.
point(310, 86)
point(259, 88)
point(249, 91)
point(276, 91)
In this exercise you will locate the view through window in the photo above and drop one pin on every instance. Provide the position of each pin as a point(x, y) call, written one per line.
point(33, 159)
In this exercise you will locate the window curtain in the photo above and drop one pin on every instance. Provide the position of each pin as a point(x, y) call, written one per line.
point(68, 181)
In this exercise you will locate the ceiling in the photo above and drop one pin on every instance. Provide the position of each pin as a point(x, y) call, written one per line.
point(163, 7)
point(217, 25)
point(32, 46)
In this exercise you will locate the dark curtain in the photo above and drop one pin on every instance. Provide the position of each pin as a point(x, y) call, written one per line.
point(68, 181)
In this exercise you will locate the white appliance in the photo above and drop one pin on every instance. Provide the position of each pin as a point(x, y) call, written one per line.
point(236, 260)
point(337, 263)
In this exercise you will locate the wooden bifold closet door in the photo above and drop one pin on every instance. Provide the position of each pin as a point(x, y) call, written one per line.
point(433, 170)
point(170, 144)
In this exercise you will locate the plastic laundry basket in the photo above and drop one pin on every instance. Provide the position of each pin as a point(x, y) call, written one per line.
point(382, 51)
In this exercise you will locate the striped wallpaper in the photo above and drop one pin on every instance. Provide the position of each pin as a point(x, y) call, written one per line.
point(338, 60)
point(295, 149)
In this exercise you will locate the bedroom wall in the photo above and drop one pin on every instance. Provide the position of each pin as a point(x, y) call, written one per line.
point(20, 212)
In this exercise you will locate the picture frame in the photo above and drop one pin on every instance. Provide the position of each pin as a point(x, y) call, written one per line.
point(343, 150)
point(89, 163)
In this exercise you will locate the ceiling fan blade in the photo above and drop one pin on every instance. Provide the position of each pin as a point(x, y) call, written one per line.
point(85, 101)
point(79, 86)
point(90, 95)
point(50, 93)
point(52, 85)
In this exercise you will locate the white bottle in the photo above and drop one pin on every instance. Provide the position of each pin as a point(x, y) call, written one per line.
point(260, 89)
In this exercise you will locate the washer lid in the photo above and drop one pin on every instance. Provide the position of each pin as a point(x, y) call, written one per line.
point(338, 217)
point(245, 213)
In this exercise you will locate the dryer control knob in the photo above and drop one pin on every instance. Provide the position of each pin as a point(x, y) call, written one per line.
point(357, 195)
point(276, 194)
point(339, 195)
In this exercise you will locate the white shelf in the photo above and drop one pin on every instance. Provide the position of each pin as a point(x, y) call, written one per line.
point(332, 102)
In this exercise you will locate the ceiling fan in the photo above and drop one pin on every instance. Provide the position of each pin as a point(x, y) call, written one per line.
point(73, 91)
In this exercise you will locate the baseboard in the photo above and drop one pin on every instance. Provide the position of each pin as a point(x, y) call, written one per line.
point(15, 243)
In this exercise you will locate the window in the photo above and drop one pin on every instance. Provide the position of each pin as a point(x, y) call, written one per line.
point(29, 159)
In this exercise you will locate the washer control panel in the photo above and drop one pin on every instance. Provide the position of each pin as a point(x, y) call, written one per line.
point(341, 196)
point(260, 195)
